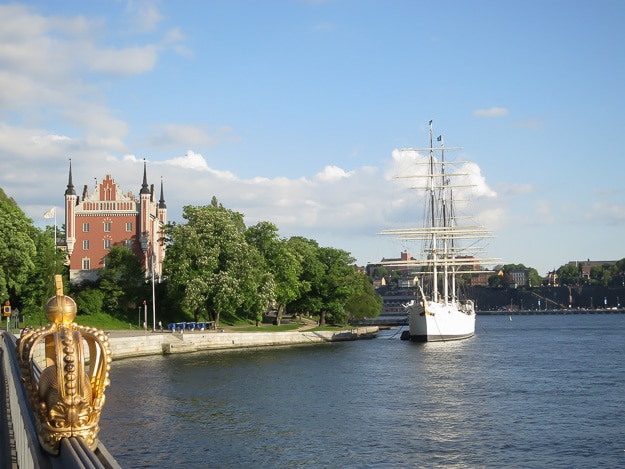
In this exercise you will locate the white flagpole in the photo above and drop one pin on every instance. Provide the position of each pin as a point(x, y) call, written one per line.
point(55, 227)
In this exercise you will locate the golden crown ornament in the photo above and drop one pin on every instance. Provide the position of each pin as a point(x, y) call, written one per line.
point(65, 368)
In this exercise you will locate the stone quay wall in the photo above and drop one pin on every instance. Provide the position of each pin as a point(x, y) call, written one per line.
point(141, 344)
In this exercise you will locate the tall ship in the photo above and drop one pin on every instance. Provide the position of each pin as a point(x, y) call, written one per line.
point(450, 249)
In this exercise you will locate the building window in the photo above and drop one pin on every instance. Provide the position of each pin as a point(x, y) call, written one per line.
point(129, 226)
point(85, 227)
point(107, 226)
point(129, 244)
point(85, 244)
point(107, 244)
point(86, 265)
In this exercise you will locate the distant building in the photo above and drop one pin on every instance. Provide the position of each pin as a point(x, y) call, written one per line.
point(108, 218)
point(551, 279)
point(586, 266)
point(480, 279)
point(399, 264)
point(520, 277)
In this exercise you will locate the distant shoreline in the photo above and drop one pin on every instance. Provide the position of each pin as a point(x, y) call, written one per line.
point(550, 311)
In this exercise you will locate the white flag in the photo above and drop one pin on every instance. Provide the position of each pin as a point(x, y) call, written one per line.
point(50, 213)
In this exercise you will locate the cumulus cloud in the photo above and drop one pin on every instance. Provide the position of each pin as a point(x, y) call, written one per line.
point(491, 112)
point(196, 162)
point(332, 173)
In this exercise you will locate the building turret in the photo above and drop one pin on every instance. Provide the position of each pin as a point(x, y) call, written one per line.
point(161, 201)
point(144, 187)
point(161, 215)
point(144, 214)
point(70, 207)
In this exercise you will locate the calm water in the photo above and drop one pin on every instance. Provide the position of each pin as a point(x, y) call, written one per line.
point(537, 391)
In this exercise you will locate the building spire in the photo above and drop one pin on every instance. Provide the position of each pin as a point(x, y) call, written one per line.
point(70, 185)
point(161, 202)
point(144, 187)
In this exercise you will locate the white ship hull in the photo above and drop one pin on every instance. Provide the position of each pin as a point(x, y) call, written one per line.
point(441, 322)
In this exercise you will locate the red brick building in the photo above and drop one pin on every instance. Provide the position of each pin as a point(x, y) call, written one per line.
point(96, 222)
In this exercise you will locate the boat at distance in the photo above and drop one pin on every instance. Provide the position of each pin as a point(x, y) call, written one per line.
point(449, 250)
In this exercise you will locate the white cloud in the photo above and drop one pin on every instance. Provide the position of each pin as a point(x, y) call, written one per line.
point(126, 61)
point(196, 162)
point(143, 14)
point(332, 173)
point(491, 112)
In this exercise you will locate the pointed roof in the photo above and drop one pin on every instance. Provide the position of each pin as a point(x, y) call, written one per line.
point(144, 187)
point(70, 185)
point(161, 202)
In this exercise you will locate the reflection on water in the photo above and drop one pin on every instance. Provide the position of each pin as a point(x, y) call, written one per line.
point(521, 393)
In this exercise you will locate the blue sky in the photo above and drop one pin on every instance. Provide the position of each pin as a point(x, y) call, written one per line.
point(290, 111)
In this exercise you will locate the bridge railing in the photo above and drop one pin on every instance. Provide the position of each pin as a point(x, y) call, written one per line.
point(24, 437)
point(24, 449)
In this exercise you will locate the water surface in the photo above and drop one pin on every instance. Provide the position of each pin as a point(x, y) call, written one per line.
point(537, 391)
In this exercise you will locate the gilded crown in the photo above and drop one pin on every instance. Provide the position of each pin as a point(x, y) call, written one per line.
point(65, 368)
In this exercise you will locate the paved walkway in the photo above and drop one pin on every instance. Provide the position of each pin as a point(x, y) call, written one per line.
point(307, 325)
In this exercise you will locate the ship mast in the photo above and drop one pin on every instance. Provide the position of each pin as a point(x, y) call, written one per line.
point(434, 241)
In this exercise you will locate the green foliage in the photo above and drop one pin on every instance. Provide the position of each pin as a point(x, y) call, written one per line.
point(17, 250)
point(210, 266)
point(534, 278)
point(331, 276)
point(122, 283)
point(569, 274)
point(364, 302)
point(48, 261)
point(89, 301)
point(312, 271)
point(380, 272)
point(280, 264)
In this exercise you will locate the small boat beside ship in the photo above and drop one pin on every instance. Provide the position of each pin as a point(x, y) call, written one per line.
point(449, 249)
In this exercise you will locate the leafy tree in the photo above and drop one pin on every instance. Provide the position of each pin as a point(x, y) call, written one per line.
point(208, 263)
point(338, 284)
point(89, 300)
point(380, 272)
point(495, 281)
point(601, 275)
point(17, 249)
point(568, 274)
point(312, 271)
point(280, 262)
point(330, 275)
point(395, 278)
point(48, 261)
point(364, 302)
point(122, 282)
point(534, 278)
